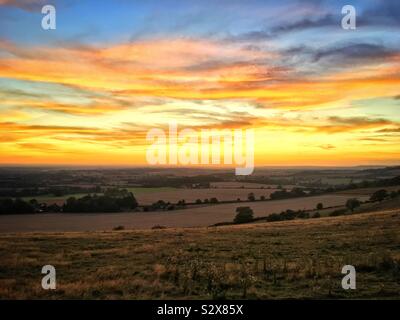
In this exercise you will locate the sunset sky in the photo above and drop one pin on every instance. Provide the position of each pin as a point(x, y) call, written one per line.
point(89, 91)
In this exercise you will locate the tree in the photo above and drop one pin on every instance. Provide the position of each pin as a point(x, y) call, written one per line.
point(10, 206)
point(113, 200)
point(280, 194)
point(198, 201)
point(297, 192)
point(379, 195)
point(159, 205)
point(262, 198)
point(251, 197)
point(243, 215)
point(351, 204)
point(20, 206)
point(213, 200)
point(320, 206)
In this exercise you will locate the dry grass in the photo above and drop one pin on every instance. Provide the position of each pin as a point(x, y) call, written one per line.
point(291, 259)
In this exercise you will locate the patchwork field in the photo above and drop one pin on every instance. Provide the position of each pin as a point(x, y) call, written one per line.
point(191, 217)
point(191, 195)
point(223, 191)
point(299, 259)
point(248, 185)
point(147, 196)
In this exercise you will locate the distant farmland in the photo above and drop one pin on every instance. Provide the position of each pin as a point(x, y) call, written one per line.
point(248, 185)
point(147, 196)
point(191, 195)
point(191, 217)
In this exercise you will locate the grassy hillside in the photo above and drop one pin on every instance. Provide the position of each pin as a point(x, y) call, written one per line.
point(292, 259)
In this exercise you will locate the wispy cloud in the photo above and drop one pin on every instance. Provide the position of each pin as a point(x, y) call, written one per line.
point(286, 69)
point(29, 5)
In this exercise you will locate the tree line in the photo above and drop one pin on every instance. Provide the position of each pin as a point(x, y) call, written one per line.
point(246, 214)
point(113, 200)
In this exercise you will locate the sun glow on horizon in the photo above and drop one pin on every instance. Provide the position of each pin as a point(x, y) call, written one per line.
point(92, 100)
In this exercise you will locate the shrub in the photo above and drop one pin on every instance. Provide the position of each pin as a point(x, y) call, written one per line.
point(316, 215)
point(157, 226)
point(274, 217)
point(283, 194)
point(297, 192)
point(337, 212)
point(251, 196)
point(159, 205)
point(119, 228)
point(320, 206)
point(379, 195)
point(303, 215)
point(352, 204)
point(288, 214)
point(243, 215)
point(213, 200)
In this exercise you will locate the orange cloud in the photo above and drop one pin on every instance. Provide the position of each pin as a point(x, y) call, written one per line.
point(193, 70)
point(24, 4)
point(180, 71)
